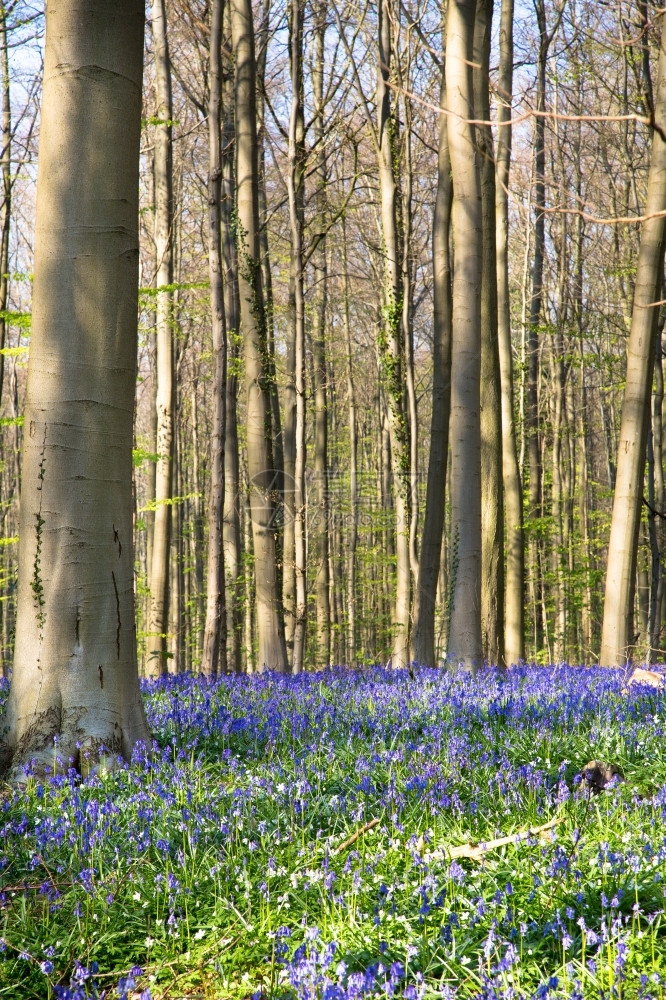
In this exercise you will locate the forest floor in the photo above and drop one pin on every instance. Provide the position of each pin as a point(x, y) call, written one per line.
point(351, 834)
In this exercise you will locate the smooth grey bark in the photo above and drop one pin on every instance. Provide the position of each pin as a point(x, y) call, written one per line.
point(392, 335)
point(272, 652)
point(532, 429)
point(215, 638)
point(423, 636)
point(492, 493)
point(464, 641)
point(322, 522)
point(282, 479)
point(532, 432)
point(320, 283)
point(514, 594)
point(407, 268)
point(75, 676)
point(296, 198)
point(158, 619)
point(232, 536)
point(352, 424)
point(196, 599)
point(656, 501)
point(617, 638)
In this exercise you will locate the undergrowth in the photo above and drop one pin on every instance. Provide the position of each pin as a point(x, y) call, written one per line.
point(291, 837)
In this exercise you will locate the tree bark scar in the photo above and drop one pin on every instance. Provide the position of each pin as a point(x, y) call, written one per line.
point(115, 587)
point(101, 676)
point(116, 538)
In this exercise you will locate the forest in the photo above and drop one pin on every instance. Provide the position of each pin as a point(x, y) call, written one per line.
point(331, 574)
point(448, 274)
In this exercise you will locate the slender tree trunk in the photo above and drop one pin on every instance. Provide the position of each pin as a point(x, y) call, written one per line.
point(411, 405)
point(215, 639)
point(617, 638)
point(5, 218)
point(492, 499)
point(5, 209)
point(465, 645)
point(158, 622)
point(282, 495)
point(352, 634)
point(423, 638)
point(270, 634)
point(266, 275)
point(232, 535)
point(296, 193)
point(320, 280)
point(196, 536)
point(657, 503)
point(536, 296)
point(75, 671)
point(177, 626)
point(391, 338)
point(514, 613)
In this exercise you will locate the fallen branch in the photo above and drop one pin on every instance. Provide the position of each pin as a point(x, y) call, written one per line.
point(648, 678)
point(355, 836)
point(476, 851)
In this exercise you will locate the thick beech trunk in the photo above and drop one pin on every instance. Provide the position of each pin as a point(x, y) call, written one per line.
point(75, 676)
point(464, 640)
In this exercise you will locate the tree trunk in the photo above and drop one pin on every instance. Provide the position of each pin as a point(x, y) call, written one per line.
point(296, 197)
point(5, 167)
point(158, 622)
point(465, 645)
point(657, 592)
point(536, 296)
point(272, 652)
point(352, 422)
point(492, 499)
point(514, 607)
point(231, 531)
point(215, 638)
point(75, 672)
point(391, 338)
point(423, 637)
point(320, 283)
point(617, 638)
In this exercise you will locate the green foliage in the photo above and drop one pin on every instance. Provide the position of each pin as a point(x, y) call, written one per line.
point(154, 120)
point(17, 319)
point(168, 502)
point(140, 455)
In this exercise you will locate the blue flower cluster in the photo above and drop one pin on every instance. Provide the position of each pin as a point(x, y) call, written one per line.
point(333, 835)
